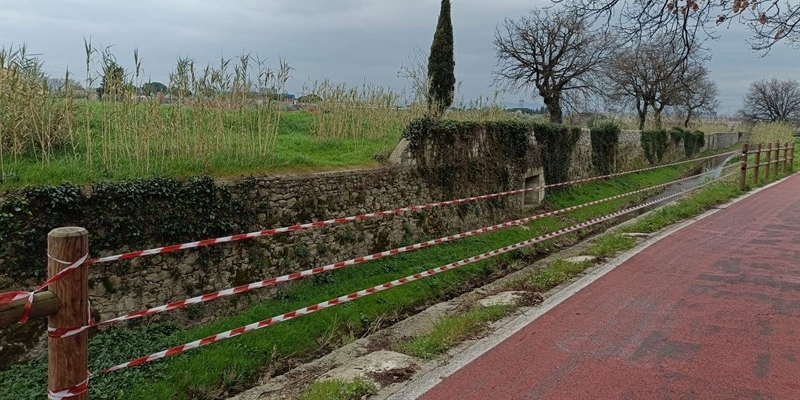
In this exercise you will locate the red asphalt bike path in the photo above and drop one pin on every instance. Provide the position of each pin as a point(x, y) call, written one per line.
point(711, 311)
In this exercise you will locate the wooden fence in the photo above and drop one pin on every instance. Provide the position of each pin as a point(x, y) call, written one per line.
point(768, 158)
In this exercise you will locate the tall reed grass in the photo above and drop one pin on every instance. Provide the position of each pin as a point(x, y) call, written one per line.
point(771, 132)
point(227, 118)
point(33, 123)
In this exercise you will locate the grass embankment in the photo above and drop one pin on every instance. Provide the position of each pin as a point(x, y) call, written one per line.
point(236, 364)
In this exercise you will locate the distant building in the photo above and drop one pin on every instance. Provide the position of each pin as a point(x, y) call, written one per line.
point(289, 98)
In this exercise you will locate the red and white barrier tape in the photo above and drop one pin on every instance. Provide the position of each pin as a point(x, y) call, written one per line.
point(64, 332)
point(4, 298)
point(9, 297)
point(362, 293)
point(71, 392)
point(298, 227)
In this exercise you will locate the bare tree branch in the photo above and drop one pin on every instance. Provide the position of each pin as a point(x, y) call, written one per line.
point(770, 21)
point(772, 100)
point(556, 54)
point(653, 76)
point(415, 71)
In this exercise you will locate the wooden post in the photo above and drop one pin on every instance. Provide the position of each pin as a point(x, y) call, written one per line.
point(44, 304)
point(769, 161)
point(777, 158)
point(786, 158)
point(743, 177)
point(791, 158)
point(67, 358)
point(757, 164)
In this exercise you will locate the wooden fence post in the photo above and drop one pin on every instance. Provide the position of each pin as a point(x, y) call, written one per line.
point(67, 358)
point(791, 158)
point(757, 164)
point(768, 153)
point(777, 157)
point(786, 158)
point(743, 177)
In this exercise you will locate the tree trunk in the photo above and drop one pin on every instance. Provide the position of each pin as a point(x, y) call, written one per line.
point(688, 117)
point(657, 117)
point(553, 104)
point(642, 112)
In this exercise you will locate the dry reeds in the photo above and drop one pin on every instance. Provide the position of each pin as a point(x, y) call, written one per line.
point(33, 123)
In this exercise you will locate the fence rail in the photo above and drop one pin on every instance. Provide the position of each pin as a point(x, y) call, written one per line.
point(67, 307)
point(772, 161)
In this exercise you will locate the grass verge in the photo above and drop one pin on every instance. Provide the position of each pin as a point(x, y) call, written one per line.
point(451, 330)
point(338, 390)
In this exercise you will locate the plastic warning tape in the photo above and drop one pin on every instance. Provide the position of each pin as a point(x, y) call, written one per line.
point(375, 289)
point(64, 332)
point(298, 227)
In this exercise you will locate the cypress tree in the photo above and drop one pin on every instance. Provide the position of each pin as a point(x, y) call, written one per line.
point(441, 65)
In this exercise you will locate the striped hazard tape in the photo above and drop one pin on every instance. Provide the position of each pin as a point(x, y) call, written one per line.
point(64, 332)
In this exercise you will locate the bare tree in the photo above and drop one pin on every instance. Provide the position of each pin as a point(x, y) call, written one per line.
point(770, 21)
point(555, 53)
point(652, 76)
point(699, 94)
point(772, 100)
point(415, 71)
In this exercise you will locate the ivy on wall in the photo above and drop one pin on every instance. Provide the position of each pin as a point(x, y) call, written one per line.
point(654, 143)
point(692, 141)
point(605, 139)
point(140, 213)
point(558, 142)
point(468, 157)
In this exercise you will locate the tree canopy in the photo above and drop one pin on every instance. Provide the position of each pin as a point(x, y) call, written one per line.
point(769, 21)
point(554, 53)
point(441, 64)
point(112, 82)
point(772, 100)
point(152, 88)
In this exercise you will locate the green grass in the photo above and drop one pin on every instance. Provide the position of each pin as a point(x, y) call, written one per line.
point(610, 245)
point(236, 364)
point(450, 331)
point(558, 272)
point(338, 390)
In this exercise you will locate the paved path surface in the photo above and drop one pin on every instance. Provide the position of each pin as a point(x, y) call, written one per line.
point(709, 312)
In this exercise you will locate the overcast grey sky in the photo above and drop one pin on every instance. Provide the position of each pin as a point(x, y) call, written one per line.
point(346, 41)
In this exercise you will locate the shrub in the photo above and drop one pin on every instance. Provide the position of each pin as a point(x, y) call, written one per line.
point(692, 141)
point(654, 143)
point(445, 151)
point(605, 138)
point(558, 141)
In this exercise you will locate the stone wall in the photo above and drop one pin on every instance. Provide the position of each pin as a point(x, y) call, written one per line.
point(131, 285)
point(306, 198)
point(721, 140)
point(122, 287)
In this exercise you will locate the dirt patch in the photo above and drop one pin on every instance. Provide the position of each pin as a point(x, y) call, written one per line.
point(391, 376)
point(379, 342)
point(530, 299)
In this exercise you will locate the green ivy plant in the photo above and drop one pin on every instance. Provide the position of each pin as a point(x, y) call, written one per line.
point(137, 214)
point(455, 168)
point(605, 139)
point(654, 144)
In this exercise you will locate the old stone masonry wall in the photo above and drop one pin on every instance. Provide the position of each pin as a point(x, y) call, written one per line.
point(122, 287)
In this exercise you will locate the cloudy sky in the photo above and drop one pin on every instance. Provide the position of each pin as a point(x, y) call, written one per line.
point(346, 41)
